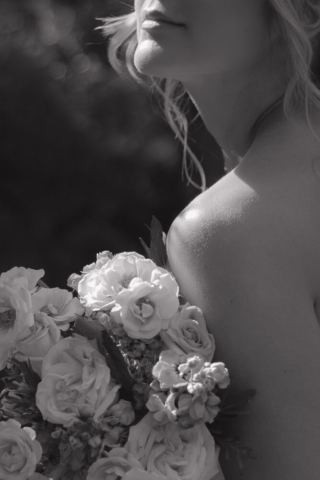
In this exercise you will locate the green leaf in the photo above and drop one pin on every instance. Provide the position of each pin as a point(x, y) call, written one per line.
point(230, 408)
point(238, 404)
point(32, 379)
point(91, 330)
point(157, 250)
point(108, 348)
point(118, 367)
point(231, 447)
point(18, 398)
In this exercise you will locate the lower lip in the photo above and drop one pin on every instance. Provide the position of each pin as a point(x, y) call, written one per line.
point(153, 24)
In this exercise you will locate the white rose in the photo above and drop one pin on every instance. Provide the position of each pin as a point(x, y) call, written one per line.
point(188, 330)
point(99, 288)
point(93, 292)
point(75, 379)
point(117, 463)
point(19, 451)
point(145, 308)
point(73, 281)
point(20, 277)
point(16, 318)
point(173, 451)
point(44, 334)
point(58, 304)
point(102, 258)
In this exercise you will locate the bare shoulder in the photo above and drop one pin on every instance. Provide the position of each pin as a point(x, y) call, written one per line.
point(264, 211)
point(247, 252)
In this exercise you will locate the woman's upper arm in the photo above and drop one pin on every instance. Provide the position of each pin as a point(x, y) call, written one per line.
point(257, 303)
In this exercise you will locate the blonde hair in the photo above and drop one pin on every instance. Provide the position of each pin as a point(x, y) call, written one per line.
point(297, 21)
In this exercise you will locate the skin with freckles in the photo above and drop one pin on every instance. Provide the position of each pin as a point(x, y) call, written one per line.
point(246, 251)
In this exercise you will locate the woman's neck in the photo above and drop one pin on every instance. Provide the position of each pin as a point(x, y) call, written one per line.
point(231, 105)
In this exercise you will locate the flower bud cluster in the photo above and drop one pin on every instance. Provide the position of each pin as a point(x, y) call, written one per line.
point(204, 376)
point(186, 392)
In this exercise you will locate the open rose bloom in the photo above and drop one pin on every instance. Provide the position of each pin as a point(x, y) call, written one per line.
point(16, 318)
point(172, 451)
point(59, 304)
point(101, 282)
point(127, 315)
point(43, 335)
point(75, 379)
point(19, 451)
point(145, 308)
point(140, 296)
point(117, 464)
point(31, 317)
point(188, 330)
point(20, 277)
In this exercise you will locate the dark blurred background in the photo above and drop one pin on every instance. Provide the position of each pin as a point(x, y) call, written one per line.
point(86, 158)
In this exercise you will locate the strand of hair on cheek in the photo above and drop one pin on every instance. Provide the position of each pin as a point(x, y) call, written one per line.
point(124, 38)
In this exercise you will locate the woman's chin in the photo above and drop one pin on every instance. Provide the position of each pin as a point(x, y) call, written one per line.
point(154, 61)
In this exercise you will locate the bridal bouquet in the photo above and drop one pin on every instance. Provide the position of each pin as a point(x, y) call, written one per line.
point(116, 382)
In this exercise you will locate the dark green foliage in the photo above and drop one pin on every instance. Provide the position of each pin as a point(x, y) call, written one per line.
point(157, 250)
point(18, 397)
point(108, 348)
point(230, 408)
point(118, 367)
point(32, 379)
point(237, 404)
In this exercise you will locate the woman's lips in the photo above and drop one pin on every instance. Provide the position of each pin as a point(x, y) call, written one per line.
point(151, 24)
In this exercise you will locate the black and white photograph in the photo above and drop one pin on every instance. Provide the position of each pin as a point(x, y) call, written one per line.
point(160, 239)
